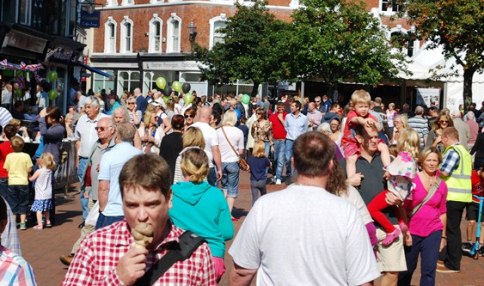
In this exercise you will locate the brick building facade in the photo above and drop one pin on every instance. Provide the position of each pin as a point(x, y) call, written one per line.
point(140, 40)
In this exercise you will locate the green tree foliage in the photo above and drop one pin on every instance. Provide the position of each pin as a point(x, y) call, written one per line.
point(456, 25)
point(339, 41)
point(250, 50)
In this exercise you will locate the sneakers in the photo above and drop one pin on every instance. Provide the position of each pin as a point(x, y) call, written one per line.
point(481, 251)
point(66, 259)
point(466, 247)
point(391, 237)
point(444, 269)
point(278, 182)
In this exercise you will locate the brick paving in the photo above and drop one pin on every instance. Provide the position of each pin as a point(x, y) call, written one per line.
point(42, 248)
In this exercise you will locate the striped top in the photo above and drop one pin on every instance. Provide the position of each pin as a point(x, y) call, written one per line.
point(14, 270)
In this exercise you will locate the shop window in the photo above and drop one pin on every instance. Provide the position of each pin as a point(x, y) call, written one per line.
point(155, 33)
point(110, 36)
point(102, 82)
point(216, 24)
point(173, 34)
point(127, 2)
point(127, 35)
point(128, 81)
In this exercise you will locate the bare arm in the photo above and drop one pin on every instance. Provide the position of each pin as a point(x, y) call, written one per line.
point(167, 124)
point(103, 194)
point(77, 145)
point(240, 276)
point(35, 175)
point(218, 160)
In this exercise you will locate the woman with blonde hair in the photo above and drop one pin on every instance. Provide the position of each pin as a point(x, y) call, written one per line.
point(192, 138)
point(151, 134)
point(200, 207)
point(401, 123)
point(231, 145)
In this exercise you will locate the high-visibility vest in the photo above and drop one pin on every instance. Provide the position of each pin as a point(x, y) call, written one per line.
point(459, 183)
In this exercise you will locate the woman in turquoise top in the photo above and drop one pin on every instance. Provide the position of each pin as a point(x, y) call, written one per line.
point(202, 208)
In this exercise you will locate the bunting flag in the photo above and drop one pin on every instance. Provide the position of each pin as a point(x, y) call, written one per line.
point(22, 66)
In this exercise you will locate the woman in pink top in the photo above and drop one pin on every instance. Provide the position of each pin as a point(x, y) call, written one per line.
point(427, 224)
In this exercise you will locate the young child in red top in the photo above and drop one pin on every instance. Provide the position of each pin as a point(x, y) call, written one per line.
point(360, 115)
point(472, 210)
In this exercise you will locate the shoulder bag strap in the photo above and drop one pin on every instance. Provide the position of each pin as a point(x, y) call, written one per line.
point(427, 198)
point(226, 138)
point(181, 250)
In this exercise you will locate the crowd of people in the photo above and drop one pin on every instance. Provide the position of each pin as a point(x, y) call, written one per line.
point(369, 189)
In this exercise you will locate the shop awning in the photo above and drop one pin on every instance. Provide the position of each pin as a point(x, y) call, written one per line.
point(95, 70)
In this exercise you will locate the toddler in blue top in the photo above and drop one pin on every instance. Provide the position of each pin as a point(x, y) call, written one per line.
point(259, 165)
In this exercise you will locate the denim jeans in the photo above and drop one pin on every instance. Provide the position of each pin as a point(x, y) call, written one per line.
point(230, 178)
point(4, 188)
point(103, 220)
point(279, 151)
point(18, 198)
point(428, 247)
point(80, 174)
point(258, 189)
point(212, 176)
point(288, 152)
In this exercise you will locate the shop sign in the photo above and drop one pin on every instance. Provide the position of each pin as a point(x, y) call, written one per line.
point(90, 19)
point(60, 54)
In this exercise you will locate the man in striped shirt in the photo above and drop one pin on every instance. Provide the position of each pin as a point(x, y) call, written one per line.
point(420, 125)
point(14, 270)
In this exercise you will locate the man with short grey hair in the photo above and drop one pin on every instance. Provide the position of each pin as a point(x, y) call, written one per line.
point(462, 128)
point(110, 202)
point(86, 137)
point(420, 124)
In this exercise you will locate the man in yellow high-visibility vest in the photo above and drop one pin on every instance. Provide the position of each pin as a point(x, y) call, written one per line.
point(456, 171)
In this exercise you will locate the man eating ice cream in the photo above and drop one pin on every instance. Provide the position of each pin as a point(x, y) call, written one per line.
point(123, 252)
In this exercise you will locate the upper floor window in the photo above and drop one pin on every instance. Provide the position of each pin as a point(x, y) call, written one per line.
point(127, 2)
point(216, 24)
point(173, 34)
point(25, 12)
point(110, 36)
point(155, 38)
point(390, 6)
point(403, 42)
point(126, 35)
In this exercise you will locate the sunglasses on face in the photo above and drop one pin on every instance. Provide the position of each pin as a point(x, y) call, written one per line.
point(189, 116)
point(101, 128)
point(130, 103)
point(443, 121)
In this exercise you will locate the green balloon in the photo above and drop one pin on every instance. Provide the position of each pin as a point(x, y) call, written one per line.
point(53, 94)
point(187, 98)
point(52, 76)
point(161, 82)
point(177, 86)
point(245, 99)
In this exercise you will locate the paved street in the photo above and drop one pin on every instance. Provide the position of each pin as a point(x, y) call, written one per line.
point(42, 248)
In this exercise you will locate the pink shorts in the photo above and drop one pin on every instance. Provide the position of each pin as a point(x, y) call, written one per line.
point(219, 264)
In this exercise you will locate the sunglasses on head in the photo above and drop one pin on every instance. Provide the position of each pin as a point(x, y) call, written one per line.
point(101, 128)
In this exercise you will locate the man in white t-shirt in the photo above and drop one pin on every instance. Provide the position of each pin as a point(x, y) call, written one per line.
point(204, 115)
point(304, 235)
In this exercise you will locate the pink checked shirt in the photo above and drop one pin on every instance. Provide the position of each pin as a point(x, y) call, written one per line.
point(96, 260)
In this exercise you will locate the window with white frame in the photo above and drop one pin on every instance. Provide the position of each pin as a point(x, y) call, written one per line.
point(25, 11)
point(127, 2)
point(101, 82)
point(390, 6)
point(402, 41)
point(126, 35)
point(155, 38)
point(216, 24)
point(128, 80)
point(173, 34)
point(110, 36)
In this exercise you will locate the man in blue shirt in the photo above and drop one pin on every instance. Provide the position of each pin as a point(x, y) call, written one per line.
point(110, 202)
point(296, 124)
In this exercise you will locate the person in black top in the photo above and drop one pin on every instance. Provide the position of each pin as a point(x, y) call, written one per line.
point(172, 144)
